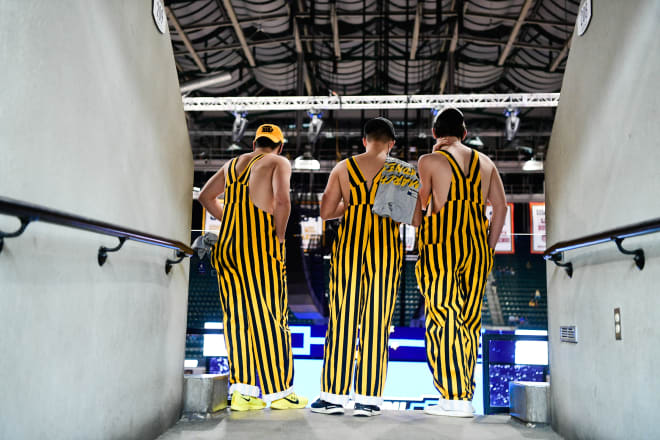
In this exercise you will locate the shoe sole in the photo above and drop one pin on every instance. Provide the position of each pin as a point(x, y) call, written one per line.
point(288, 407)
point(332, 411)
point(439, 412)
point(245, 409)
point(365, 413)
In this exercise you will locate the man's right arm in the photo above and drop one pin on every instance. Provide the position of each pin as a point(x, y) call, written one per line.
point(332, 205)
point(281, 198)
point(208, 196)
point(497, 199)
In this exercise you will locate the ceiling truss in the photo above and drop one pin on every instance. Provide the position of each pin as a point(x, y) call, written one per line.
point(285, 103)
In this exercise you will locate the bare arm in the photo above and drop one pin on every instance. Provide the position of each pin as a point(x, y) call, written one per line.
point(282, 202)
point(332, 204)
point(497, 199)
point(208, 196)
point(425, 187)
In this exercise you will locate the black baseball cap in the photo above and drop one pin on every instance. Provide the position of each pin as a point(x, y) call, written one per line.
point(379, 123)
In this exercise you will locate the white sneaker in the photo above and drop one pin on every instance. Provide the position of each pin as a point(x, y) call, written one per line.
point(451, 408)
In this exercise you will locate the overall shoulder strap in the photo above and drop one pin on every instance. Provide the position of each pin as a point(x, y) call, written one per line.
point(245, 175)
point(354, 173)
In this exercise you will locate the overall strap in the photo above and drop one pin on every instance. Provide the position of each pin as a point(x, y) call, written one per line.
point(475, 179)
point(245, 175)
point(354, 173)
point(458, 186)
point(231, 171)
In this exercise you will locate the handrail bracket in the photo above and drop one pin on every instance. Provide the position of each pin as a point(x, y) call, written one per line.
point(24, 222)
point(638, 253)
point(169, 263)
point(568, 267)
point(103, 251)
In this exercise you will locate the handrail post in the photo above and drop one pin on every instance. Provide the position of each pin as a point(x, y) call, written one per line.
point(638, 253)
point(169, 263)
point(568, 267)
point(25, 221)
point(103, 251)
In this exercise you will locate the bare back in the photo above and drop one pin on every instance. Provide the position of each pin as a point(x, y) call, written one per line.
point(440, 172)
point(261, 178)
point(370, 164)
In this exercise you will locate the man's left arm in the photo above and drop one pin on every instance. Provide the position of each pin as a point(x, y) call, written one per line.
point(282, 200)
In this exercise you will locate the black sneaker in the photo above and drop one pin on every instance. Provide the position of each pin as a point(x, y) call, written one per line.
point(323, 407)
point(366, 410)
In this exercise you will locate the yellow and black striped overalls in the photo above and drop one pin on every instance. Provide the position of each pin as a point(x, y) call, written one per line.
point(253, 292)
point(454, 261)
point(364, 278)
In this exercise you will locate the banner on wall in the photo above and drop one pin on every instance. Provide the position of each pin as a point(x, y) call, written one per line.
point(408, 236)
point(505, 243)
point(312, 229)
point(537, 227)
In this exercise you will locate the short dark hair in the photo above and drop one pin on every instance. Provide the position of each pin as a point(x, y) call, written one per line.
point(379, 129)
point(449, 122)
point(264, 142)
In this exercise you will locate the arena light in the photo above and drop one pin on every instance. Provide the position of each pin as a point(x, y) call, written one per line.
point(512, 123)
point(306, 162)
point(205, 82)
point(315, 125)
point(533, 165)
point(237, 130)
point(475, 142)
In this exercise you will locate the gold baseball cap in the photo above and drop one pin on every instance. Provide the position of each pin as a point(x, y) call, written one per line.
point(271, 132)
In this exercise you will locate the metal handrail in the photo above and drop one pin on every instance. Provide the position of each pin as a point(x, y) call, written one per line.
point(27, 213)
point(556, 252)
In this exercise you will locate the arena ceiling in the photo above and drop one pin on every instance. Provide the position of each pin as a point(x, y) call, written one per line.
point(371, 47)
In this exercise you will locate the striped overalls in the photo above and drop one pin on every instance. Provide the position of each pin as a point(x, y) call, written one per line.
point(252, 277)
point(364, 278)
point(454, 261)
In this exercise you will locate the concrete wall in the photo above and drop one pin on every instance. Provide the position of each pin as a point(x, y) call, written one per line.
point(91, 123)
point(603, 171)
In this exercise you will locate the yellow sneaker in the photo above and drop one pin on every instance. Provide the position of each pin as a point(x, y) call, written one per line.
point(292, 401)
point(241, 402)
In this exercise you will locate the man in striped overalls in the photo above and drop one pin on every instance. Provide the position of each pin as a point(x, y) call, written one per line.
point(364, 278)
point(456, 247)
point(249, 259)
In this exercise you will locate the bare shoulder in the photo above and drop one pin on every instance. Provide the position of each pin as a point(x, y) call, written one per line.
point(278, 161)
point(432, 159)
point(485, 161)
point(340, 166)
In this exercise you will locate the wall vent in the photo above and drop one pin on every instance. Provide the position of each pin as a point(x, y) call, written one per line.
point(568, 333)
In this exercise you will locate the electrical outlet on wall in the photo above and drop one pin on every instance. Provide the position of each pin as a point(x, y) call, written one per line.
point(617, 324)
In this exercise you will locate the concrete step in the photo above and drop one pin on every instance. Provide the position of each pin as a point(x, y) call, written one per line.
point(205, 393)
point(530, 401)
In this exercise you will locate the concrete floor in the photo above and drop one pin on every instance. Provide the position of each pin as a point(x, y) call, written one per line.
point(303, 424)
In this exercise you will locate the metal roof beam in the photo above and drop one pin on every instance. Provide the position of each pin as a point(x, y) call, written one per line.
point(290, 40)
point(452, 49)
point(514, 32)
point(415, 37)
point(335, 30)
point(239, 32)
point(562, 54)
point(186, 41)
point(299, 49)
point(274, 103)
